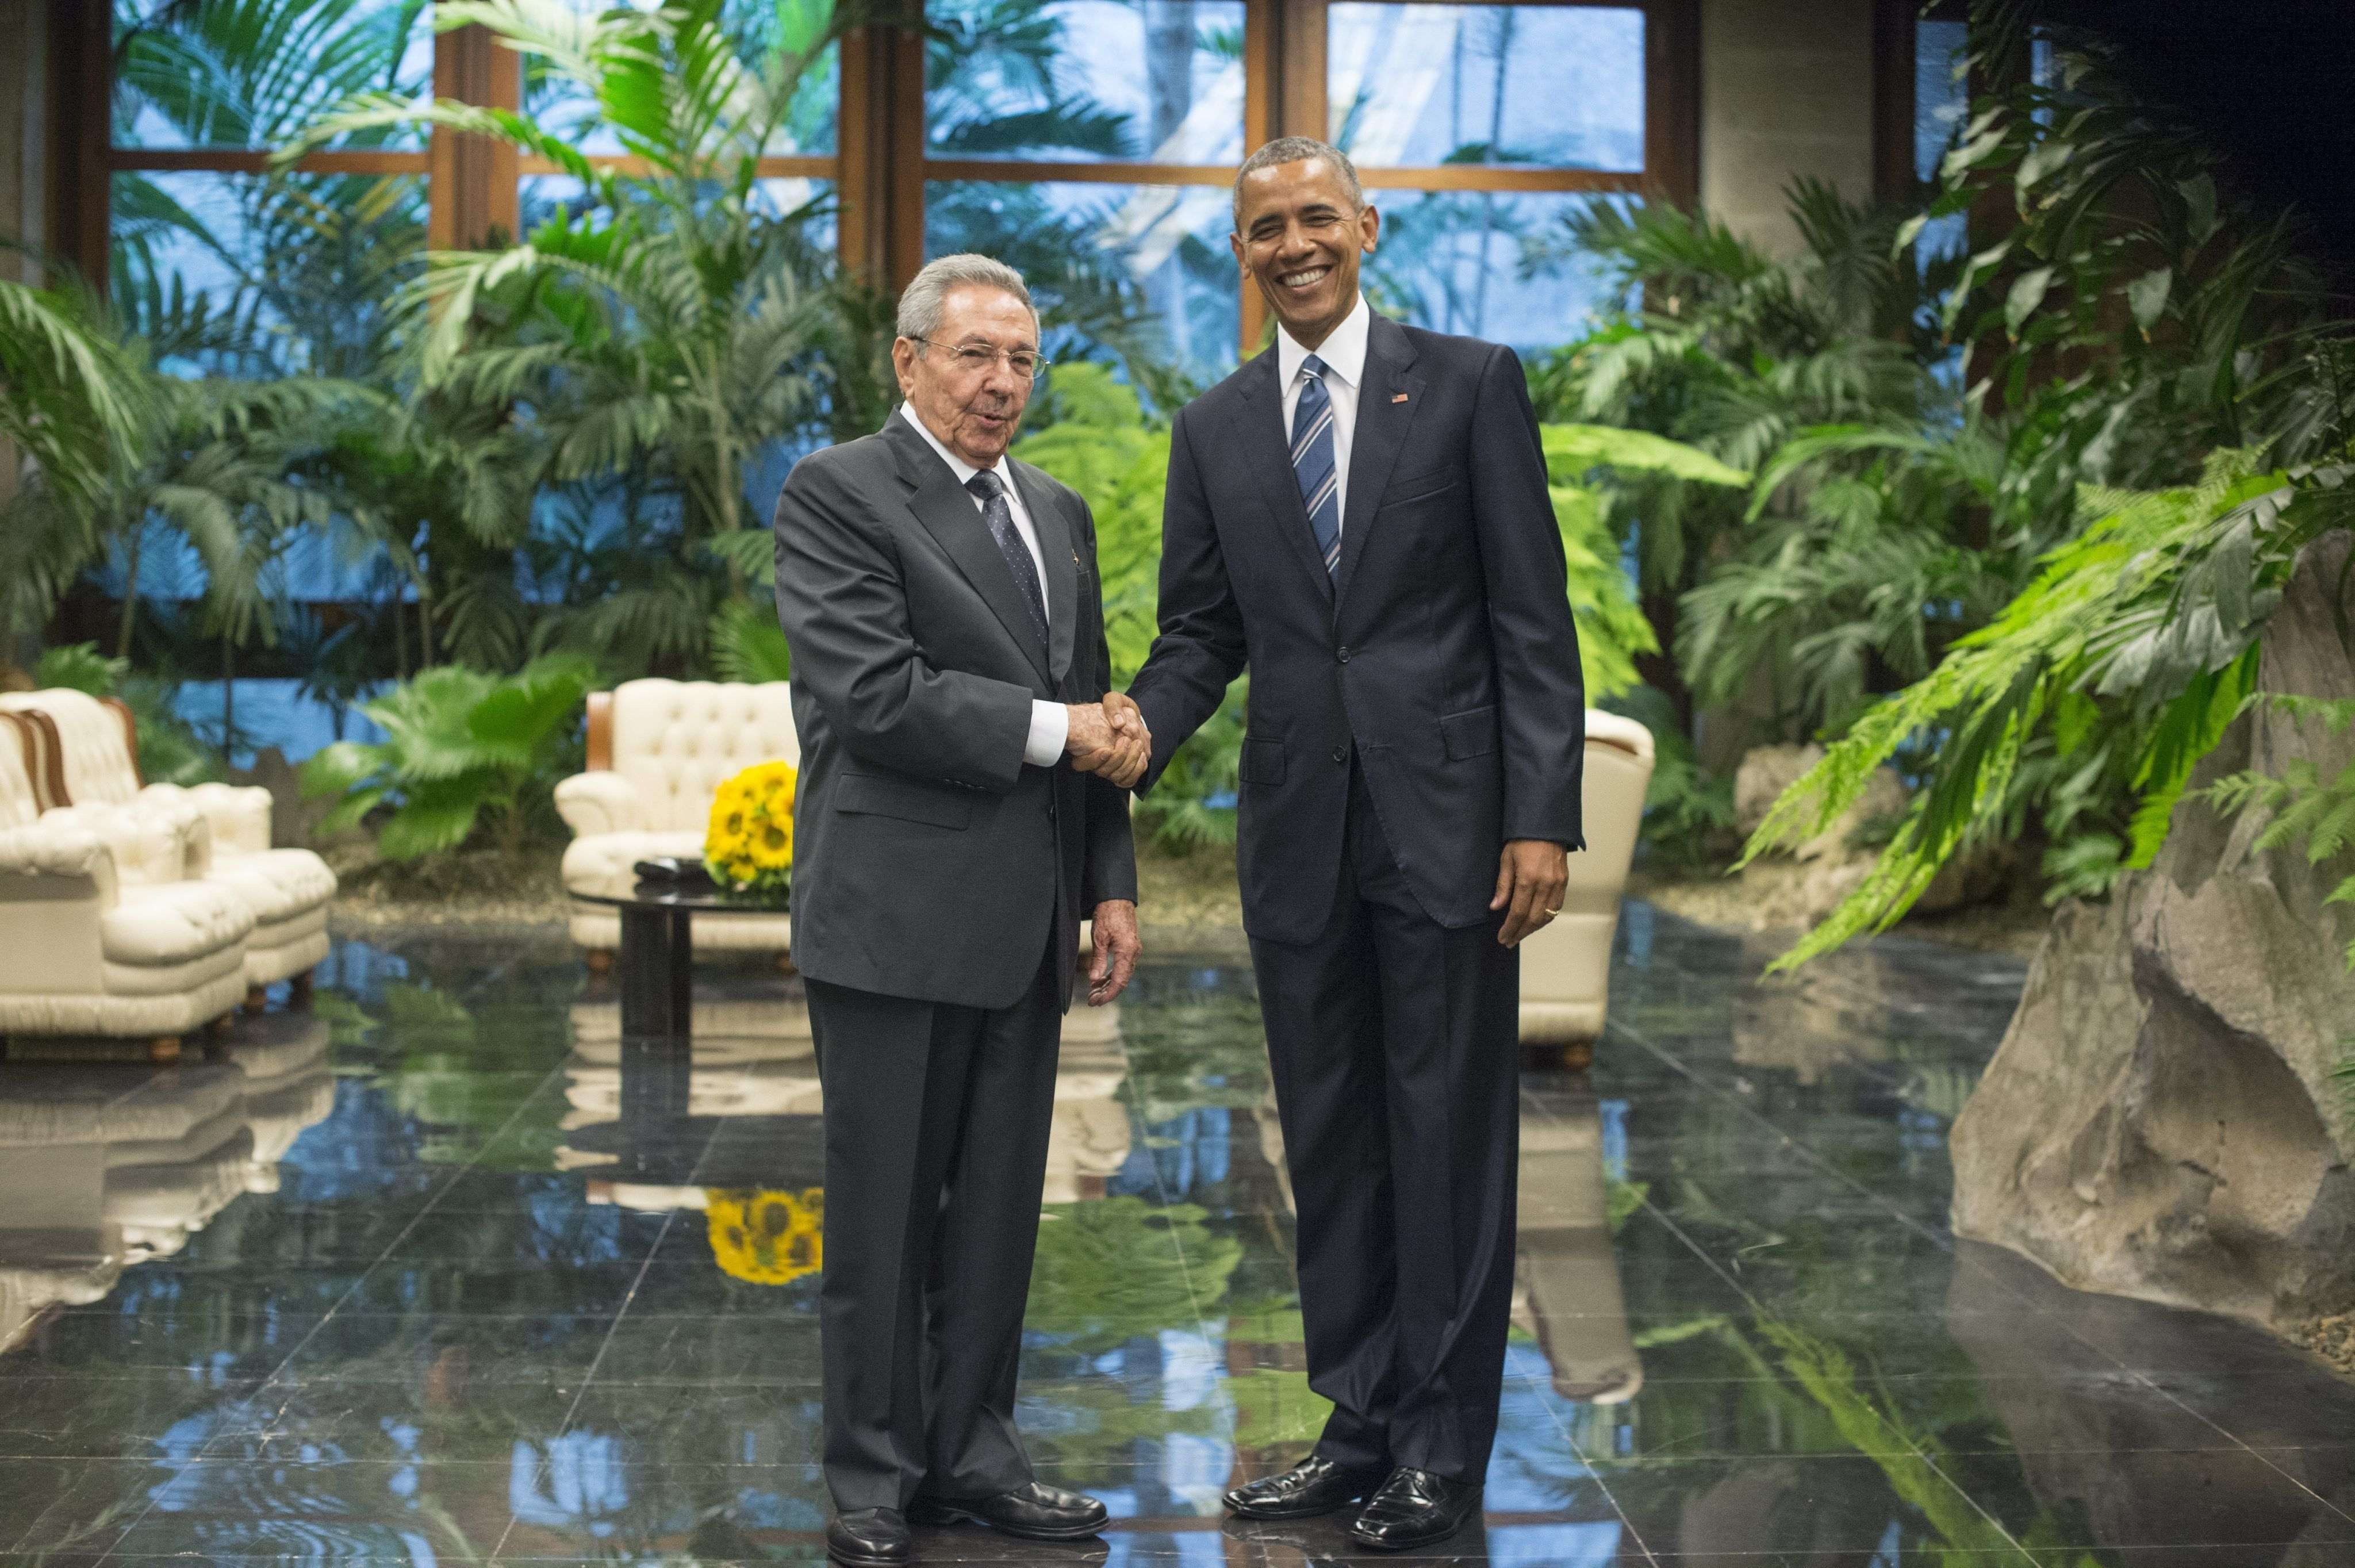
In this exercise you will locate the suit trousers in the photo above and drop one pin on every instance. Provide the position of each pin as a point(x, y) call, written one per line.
point(936, 1120)
point(1394, 1046)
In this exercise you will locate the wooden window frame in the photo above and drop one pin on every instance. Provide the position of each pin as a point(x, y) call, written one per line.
point(1285, 64)
point(880, 167)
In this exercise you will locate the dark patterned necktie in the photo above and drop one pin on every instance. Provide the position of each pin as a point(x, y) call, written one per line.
point(991, 493)
point(1312, 460)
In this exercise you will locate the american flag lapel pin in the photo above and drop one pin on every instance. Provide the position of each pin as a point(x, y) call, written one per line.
point(1398, 397)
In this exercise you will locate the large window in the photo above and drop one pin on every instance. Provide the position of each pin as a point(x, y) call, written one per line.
point(1088, 141)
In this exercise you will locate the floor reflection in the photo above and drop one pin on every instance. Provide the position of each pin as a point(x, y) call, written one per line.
point(448, 1271)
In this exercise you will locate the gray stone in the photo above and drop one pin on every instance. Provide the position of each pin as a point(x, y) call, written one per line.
point(2161, 1120)
point(294, 818)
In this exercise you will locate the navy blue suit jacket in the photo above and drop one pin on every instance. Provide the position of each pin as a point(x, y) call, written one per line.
point(1441, 657)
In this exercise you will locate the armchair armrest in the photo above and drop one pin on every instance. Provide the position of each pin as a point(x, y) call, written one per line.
point(152, 840)
point(63, 849)
point(56, 891)
point(599, 803)
point(240, 814)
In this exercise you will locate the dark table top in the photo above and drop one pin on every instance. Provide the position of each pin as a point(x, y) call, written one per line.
point(697, 896)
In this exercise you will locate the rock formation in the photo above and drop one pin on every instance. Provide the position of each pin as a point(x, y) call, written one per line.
point(2161, 1120)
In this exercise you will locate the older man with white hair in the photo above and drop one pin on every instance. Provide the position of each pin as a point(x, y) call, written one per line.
point(962, 807)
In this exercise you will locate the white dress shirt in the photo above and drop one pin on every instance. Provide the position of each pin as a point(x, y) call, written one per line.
point(1343, 356)
point(1051, 723)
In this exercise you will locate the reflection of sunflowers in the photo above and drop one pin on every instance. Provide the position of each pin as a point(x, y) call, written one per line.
point(767, 1238)
point(748, 845)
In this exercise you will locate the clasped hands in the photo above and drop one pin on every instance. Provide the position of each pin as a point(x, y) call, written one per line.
point(1110, 739)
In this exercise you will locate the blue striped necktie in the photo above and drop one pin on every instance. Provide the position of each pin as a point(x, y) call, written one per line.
point(1312, 460)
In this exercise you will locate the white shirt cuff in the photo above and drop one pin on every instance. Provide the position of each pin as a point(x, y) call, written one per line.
point(1050, 732)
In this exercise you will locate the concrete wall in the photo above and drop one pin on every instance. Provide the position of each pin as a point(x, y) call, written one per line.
point(1786, 89)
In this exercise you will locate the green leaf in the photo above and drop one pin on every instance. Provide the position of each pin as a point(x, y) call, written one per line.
point(2146, 296)
point(341, 767)
point(352, 809)
point(1572, 449)
point(434, 817)
point(747, 644)
point(2198, 194)
point(2027, 292)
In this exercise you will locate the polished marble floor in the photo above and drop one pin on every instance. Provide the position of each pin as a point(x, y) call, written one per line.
point(442, 1272)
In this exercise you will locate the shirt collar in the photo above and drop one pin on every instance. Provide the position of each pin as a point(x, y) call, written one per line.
point(1343, 352)
point(957, 465)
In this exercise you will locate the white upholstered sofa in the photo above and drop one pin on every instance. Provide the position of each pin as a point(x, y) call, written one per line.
point(658, 753)
point(94, 762)
point(1566, 966)
point(103, 932)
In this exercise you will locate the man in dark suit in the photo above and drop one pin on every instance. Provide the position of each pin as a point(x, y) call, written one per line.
point(1360, 514)
point(962, 806)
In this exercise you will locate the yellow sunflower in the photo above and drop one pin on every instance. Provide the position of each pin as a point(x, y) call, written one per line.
point(765, 1237)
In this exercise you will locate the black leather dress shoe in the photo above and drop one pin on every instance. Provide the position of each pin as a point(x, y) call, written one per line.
point(1313, 1487)
point(1035, 1513)
point(1415, 1508)
point(870, 1538)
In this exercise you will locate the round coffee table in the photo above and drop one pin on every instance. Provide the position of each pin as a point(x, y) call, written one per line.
point(657, 957)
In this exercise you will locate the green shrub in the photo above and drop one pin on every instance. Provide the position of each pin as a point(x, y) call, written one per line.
point(464, 750)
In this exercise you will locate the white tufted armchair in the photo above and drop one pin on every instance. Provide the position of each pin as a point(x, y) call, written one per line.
point(103, 932)
point(659, 751)
point(1566, 966)
point(94, 762)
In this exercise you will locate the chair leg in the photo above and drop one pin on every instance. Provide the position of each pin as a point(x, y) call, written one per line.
point(164, 1048)
point(601, 961)
point(257, 997)
point(216, 1030)
point(1578, 1055)
point(298, 991)
point(785, 965)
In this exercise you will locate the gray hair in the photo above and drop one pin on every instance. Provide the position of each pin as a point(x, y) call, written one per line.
point(1296, 150)
point(926, 298)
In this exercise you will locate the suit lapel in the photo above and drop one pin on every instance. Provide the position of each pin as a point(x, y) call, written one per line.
point(1059, 549)
point(1383, 421)
point(948, 514)
point(1258, 420)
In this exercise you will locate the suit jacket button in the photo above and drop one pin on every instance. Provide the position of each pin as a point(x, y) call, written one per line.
point(1345, 656)
point(1341, 753)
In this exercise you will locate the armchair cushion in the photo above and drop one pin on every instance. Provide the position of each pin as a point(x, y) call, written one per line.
point(599, 802)
point(602, 863)
point(93, 744)
point(278, 885)
point(175, 922)
point(678, 740)
point(152, 841)
point(240, 814)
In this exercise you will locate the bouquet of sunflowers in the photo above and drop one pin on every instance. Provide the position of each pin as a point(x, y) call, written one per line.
point(749, 847)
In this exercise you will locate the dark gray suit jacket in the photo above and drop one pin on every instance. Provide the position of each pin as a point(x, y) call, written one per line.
point(928, 861)
point(1442, 662)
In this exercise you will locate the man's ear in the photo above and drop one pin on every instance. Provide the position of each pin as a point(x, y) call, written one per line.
point(1370, 229)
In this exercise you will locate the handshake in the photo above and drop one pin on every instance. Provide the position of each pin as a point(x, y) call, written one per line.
point(1110, 739)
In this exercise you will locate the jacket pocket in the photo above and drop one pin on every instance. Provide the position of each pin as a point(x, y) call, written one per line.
point(1263, 761)
point(1421, 487)
point(1472, 733)
point(877, 794)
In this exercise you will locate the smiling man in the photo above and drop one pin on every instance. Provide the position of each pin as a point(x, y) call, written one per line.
point(961, 806)
point(1360, 514)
